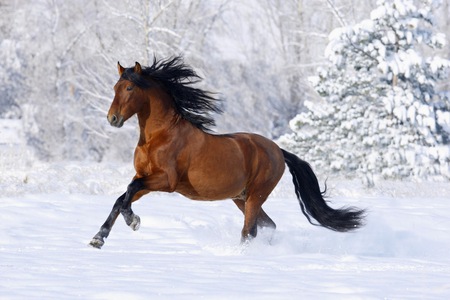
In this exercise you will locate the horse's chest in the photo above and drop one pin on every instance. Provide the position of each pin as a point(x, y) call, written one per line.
point(144, 163)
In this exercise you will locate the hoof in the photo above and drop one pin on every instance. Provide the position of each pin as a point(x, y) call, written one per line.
point(97, 243)
point(136, 223)
point(245, 241)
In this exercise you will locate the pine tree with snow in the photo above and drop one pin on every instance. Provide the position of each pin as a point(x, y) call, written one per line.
point(382, 113)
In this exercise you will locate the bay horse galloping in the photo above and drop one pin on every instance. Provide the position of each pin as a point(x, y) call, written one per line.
point(177, 153)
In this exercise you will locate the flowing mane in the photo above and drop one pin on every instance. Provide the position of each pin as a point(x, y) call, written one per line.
point(193, 104)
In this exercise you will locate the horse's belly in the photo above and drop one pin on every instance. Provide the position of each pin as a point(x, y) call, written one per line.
point(211, 188)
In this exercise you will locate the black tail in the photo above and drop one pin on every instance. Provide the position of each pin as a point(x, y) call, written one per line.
point(312, 202)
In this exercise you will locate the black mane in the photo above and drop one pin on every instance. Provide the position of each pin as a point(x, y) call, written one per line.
point(193, 104)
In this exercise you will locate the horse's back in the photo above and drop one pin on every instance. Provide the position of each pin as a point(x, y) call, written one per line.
point(257, 152)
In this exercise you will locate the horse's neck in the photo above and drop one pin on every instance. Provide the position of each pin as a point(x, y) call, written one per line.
point(154, 121)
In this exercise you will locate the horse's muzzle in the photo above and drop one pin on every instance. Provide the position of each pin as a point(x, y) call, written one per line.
point(116, 121)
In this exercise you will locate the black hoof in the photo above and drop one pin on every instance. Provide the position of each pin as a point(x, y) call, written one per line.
point(97, 243)
point(136, 223)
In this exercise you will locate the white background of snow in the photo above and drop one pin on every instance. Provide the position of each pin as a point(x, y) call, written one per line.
point(190, 250)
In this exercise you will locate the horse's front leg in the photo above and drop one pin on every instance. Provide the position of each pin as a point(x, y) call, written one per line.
point(135, 190)
point(164, 180)
point(99, 239)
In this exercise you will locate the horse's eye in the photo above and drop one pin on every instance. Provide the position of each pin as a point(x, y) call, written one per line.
point(129, 88)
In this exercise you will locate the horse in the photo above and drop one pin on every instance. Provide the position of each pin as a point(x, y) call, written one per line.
point(177, 152)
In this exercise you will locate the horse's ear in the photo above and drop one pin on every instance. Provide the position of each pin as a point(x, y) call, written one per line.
point(120, 69)
point(137, 68)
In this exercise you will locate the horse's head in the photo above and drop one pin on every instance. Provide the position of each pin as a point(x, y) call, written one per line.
point(128, 98)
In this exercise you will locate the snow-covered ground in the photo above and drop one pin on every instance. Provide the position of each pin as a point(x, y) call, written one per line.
point(190, 250)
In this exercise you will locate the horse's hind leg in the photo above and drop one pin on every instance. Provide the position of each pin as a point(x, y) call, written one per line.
point(99, 239)
point(251, 211)
point(256, 194)
point(263, 220)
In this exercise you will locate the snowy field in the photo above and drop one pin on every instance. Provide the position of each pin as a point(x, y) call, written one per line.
point(190, 250)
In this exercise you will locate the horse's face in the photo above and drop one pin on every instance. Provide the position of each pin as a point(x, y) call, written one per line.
point(128, 99)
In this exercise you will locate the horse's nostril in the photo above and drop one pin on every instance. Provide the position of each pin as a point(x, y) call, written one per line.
point(115, 120)
point(112, 119)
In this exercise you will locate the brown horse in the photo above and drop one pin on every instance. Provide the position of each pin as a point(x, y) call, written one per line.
point(177, 153)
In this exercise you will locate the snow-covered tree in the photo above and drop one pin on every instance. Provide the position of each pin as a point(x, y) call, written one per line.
point(382, 113)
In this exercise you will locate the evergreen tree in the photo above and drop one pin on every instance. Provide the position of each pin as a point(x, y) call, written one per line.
point(382, 112)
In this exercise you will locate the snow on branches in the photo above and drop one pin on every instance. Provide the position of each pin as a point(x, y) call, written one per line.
point(383, 113)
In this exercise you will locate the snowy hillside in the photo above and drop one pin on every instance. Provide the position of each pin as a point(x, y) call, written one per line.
point(190, 250)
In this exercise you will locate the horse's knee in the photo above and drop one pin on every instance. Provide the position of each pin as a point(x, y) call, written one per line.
point(135, 186)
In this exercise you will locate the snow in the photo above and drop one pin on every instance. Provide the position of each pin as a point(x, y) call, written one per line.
point(190, 250)
point(10, 132)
